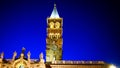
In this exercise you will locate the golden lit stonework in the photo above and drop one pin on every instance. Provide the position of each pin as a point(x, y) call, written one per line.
point(22, 61)
point(54, 42)
point(54, 37)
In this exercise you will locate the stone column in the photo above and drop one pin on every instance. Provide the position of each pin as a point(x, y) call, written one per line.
point(29, 54)
point(1, 58)
point(14, 55)
point(42, 64)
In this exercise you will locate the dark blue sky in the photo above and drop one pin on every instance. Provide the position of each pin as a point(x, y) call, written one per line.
point(91, 28)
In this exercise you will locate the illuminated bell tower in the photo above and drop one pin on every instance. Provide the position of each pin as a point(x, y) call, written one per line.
point(54, 39)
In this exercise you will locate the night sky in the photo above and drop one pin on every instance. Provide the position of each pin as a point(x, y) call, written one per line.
point(91, 28)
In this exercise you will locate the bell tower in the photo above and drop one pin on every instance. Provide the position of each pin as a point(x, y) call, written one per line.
point(54, 39)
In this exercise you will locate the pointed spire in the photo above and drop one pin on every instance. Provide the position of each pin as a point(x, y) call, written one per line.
point(54, 13)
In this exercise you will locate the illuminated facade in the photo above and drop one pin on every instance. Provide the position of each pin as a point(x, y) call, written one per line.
point(54, 43)
point(22, 61)
point(54, 37)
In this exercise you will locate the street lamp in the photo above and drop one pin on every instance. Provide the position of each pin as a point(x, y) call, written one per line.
point(112, 66)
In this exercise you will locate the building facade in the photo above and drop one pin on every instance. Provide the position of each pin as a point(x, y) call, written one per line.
point(54, 39)
point(22, 62)
point(54, 42)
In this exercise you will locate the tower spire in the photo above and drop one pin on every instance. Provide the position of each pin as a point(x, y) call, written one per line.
point(54, 12)
point(54, 5)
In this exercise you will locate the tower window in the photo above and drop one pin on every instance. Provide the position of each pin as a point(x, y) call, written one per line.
point(51, 25)
point(57, 25)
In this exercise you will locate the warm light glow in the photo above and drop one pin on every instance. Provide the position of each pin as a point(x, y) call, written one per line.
point(51, 25)
point(57, 25)
point(20, 65)
point(112, 66)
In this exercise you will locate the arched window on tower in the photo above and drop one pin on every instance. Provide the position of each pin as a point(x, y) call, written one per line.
point(57, 25)
point(51, 24)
